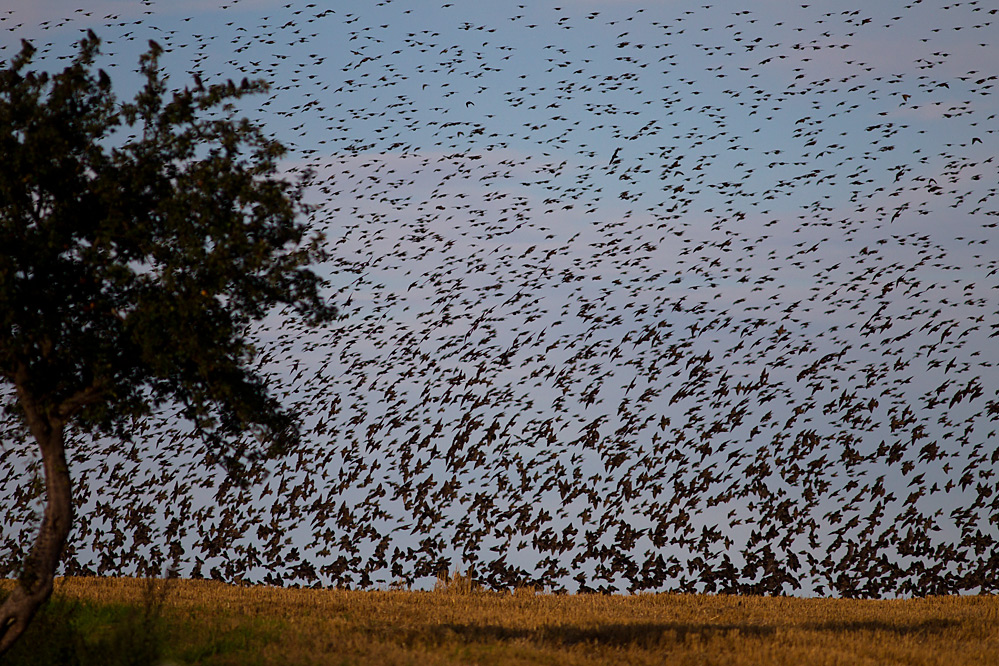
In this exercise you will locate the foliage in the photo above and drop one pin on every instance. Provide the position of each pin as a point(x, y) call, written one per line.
point(457, 583)
point(134, 265)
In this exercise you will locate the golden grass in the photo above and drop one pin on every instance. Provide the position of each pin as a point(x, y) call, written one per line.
point(211, 623)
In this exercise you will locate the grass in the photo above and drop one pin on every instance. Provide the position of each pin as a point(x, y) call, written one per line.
point(128, 621)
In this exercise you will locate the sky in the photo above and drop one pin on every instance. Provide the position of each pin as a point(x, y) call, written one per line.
point(642, 278)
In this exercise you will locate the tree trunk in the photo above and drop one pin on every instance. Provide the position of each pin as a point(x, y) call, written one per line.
point(35, 583)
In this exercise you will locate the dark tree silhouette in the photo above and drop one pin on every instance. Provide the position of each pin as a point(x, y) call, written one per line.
point(132, 267)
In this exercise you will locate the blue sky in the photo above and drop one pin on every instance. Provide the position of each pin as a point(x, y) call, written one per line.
point(703, 229)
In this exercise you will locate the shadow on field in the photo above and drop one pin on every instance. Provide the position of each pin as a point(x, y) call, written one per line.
point(934, 626)
point(616, 634)
point(653, 634)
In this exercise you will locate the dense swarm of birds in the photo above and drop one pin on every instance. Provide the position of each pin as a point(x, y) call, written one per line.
point(677, 298)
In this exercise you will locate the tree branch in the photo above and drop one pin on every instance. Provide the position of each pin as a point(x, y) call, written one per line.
point(88, 396)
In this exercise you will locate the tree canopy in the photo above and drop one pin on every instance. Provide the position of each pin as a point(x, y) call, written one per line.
point(140, 241)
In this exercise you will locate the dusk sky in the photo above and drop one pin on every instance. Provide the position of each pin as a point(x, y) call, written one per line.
point(728, 261)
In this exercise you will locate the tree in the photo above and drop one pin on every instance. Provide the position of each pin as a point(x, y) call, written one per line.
point(140, 242)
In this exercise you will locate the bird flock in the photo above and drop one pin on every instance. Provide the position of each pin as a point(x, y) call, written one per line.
point(693, 298)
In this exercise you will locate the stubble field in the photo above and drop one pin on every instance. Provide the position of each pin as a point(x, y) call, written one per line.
point(105, 620)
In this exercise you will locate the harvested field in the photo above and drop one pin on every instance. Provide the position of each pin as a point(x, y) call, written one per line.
point(201, 622)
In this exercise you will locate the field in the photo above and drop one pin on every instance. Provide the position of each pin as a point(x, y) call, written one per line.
point(119, 621)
